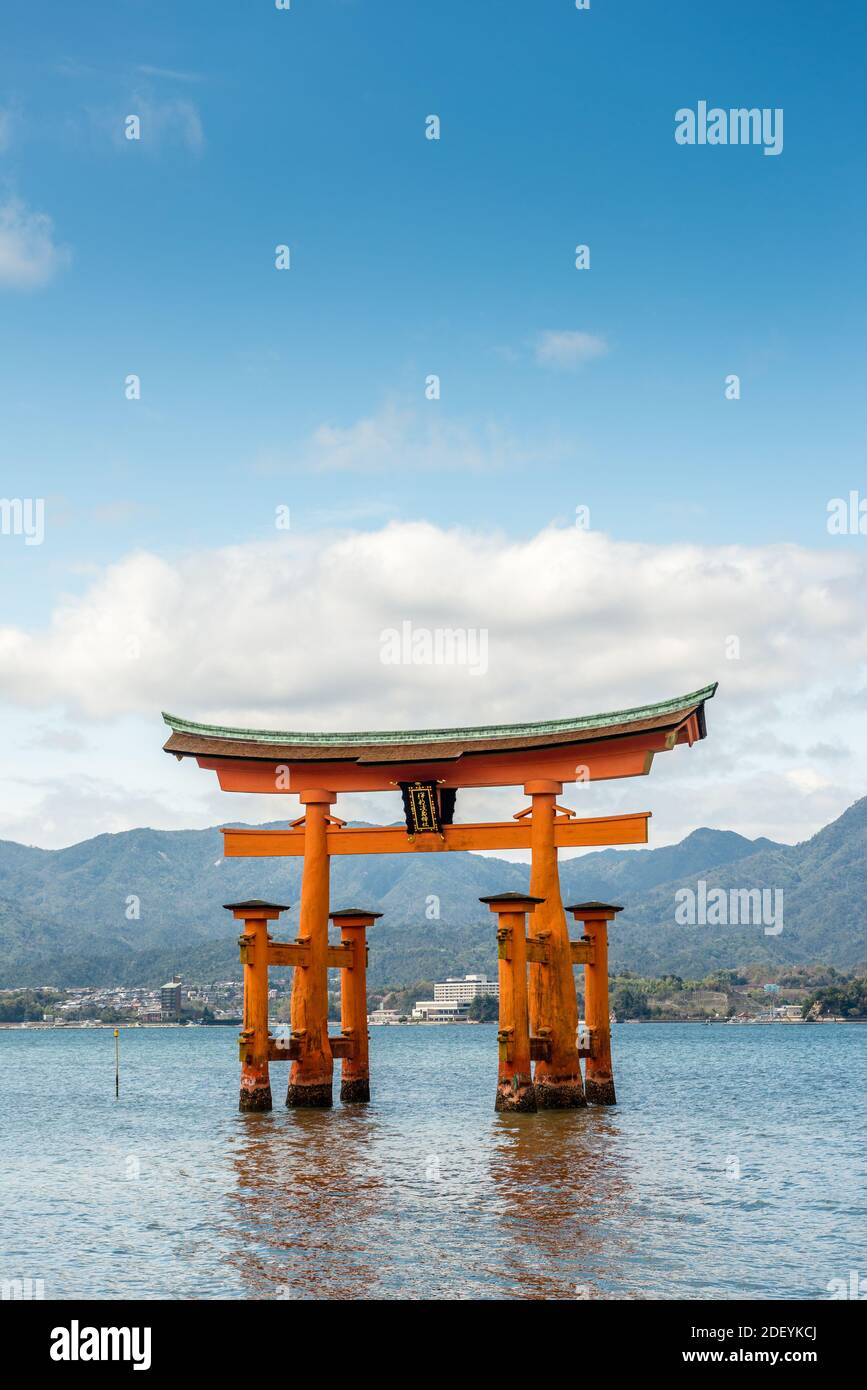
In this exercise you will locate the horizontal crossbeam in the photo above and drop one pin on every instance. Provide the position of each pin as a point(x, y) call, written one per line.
point(540, 1049)
point(537, 951)
point(340, 957)
point(568, 834)
point(288, 953)
point(289, 1049)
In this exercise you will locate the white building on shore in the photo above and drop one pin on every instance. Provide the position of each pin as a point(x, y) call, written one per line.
point(453, 997)
point(440, 1010)
point(467, 989)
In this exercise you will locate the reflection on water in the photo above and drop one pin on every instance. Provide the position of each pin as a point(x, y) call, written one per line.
point(555, 1181)
point(716, 1176)
point(348, 1205)
point(307, 1189)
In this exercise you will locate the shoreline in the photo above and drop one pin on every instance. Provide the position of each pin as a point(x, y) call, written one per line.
point(87, 1027)
point(38, 1026)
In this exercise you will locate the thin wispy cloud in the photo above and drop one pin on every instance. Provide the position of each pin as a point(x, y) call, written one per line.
point(58, 740)
point(399, 440)
point(162, 125)
point(170, 74)
point(568, 349)
point(30, 256)
point(75, 68)
point(175, 122)
point(119, 512)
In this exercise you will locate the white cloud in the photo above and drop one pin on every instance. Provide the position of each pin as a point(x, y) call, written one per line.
point(66, 810)
point(568, 348)
point(287, 634)
point(292, 627)
point(808, 780)
point(29, 255)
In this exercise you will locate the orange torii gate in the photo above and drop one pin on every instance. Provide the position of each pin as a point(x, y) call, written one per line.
point(538, 1005)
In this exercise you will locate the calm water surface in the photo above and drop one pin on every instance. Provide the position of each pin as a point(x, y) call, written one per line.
point(733, 1167)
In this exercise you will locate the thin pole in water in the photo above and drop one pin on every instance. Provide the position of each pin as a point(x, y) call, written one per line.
point(117, 1062)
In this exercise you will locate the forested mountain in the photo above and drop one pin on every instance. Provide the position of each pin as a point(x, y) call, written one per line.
point(69, 916)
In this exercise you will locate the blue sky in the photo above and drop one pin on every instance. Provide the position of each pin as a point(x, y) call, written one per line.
point(410, 257)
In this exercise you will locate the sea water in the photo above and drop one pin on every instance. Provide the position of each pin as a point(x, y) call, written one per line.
point(732, 1167)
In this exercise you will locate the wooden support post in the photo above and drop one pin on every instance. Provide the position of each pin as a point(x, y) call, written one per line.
point(553, 1006)
point(599, 1082)
point(255, 1040)
point(355, 1074)
point(311, 1075)
point(515, 1090)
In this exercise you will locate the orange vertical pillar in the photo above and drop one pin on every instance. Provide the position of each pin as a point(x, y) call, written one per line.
point(515, 1089)
point(553, 1006)
point(255, 1038)
point(311, 1074)
point(599, 1083)
point(355, 1075)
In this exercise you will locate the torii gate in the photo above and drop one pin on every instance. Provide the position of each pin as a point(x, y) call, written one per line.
point(538, 1006)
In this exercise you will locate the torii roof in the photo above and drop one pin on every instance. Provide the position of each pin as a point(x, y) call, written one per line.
point(189, 739)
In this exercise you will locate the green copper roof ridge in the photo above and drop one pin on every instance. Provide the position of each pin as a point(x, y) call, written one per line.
point(385, 737)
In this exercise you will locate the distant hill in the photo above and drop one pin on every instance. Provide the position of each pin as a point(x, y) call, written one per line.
point(64, 913)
